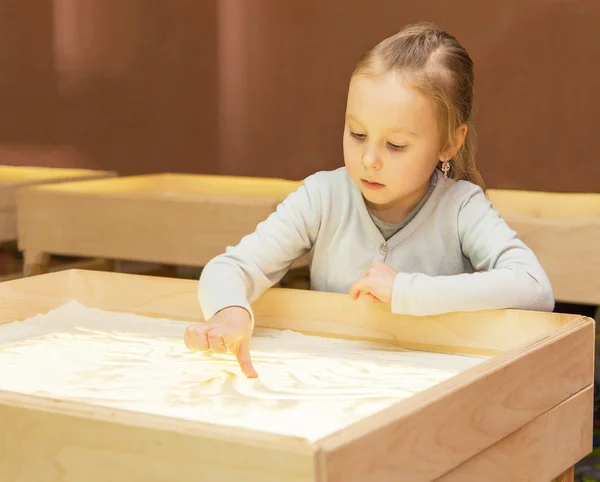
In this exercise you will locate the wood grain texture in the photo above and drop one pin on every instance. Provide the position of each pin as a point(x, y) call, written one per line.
point(542, 360)
point(563, 230)
point(92, 264)
point(434, 431)
point(13, 179)
point(339, 315)
point(319, 313)
point(539, 450)
point(567, 476)
point(53, 447)
point(183, 219)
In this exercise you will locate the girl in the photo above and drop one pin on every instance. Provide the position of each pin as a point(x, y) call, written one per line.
point(405, 222)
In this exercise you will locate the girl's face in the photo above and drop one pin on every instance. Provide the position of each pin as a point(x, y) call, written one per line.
point(391, 142)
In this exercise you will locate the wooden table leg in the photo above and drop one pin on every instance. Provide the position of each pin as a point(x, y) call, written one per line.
point(35, 262)
point(568, 476)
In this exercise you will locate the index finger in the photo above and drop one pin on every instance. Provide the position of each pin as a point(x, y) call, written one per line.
point(244, 359)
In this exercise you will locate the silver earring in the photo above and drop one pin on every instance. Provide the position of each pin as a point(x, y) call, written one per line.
point(445, 168)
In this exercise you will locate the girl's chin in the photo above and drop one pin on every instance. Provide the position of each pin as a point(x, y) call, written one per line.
point(376, 199)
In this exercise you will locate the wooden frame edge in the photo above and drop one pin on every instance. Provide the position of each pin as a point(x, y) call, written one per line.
point(351, 452)
point(540, 437)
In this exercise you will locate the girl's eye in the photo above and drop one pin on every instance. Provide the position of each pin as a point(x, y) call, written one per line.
point(395, 147)
point(358, 136)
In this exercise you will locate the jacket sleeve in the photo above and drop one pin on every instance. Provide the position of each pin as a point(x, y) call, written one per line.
point(507, 273)
point(245, 271)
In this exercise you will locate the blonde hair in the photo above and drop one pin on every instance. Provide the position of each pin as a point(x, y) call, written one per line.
point(437, 65)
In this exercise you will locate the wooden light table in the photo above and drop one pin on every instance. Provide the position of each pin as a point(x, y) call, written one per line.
point(172, 219)
point(523, 414)
point(563, 230)
point(13, 178)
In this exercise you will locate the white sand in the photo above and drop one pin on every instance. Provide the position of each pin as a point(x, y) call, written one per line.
point(308, 386)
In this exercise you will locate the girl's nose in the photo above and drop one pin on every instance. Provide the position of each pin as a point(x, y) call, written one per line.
point(371, 159)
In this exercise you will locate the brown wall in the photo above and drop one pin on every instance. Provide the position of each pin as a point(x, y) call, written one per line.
point(130, 84)
point(258, 88)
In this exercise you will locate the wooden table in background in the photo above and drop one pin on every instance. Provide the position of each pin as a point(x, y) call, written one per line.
point(14, 178)
point(563, 230)
point(170, 219)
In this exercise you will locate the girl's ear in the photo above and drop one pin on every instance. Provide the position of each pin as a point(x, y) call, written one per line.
point(456, 142)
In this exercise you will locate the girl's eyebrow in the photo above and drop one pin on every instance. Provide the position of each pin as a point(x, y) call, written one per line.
point(350, 117)
point(402, 131)
point(395, 130)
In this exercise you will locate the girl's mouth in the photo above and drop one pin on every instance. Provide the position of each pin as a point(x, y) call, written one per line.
point(371, 185)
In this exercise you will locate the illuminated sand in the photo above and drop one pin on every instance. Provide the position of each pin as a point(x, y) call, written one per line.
point(308, 386)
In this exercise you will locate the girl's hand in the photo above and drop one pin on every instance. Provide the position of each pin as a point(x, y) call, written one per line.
point(230, 329)
point(376, 283)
